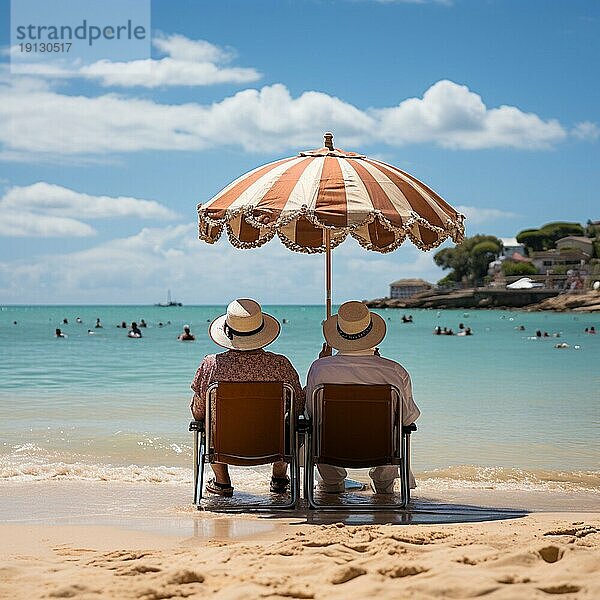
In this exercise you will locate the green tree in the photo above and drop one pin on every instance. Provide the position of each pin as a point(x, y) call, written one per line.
point(546, 236)
point(469, 260)
point(532, 239)
point(591, 230)
point(512, 267)
point(447, 281)
point(557, 231)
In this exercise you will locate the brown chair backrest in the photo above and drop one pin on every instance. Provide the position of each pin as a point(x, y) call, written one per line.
point(249, 424)
point(356, 426)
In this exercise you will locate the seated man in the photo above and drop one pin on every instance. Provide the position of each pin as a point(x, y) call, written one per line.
point(355, 332)
point(244, 331)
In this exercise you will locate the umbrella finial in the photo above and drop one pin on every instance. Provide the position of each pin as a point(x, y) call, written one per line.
point(328, 137)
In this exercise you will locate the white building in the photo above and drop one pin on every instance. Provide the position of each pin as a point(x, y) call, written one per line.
point(510, 246)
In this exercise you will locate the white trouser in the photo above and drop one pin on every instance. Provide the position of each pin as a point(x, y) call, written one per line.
point(383, 478)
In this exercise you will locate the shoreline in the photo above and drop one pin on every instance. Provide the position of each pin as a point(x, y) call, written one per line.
point(167, 507)
point(146, 541)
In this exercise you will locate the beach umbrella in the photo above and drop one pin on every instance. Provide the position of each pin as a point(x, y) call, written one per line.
point(314, 200)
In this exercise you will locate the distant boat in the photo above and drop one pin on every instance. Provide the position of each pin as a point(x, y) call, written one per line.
point(169, 302)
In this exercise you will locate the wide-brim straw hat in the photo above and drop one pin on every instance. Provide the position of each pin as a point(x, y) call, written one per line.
point(354, 327)
point(244, 326)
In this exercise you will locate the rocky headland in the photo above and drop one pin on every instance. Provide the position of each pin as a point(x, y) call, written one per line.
point(533, 299)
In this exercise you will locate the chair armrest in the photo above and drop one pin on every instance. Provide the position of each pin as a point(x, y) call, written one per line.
point(303, 424)
point(408, 429)
point(196, 426)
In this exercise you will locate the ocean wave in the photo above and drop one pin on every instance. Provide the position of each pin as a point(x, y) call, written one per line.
point(509, 479)
point(28, 462)
point(26, 468)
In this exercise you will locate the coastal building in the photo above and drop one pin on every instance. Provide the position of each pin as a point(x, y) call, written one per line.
point(548, 260)
point(585, 244)
point(405, 288)
point(510, 246)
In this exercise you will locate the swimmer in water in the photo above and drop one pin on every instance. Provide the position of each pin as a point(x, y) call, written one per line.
point(98, 325)
point(134, 332)
point(186, 336)
point(59, 334)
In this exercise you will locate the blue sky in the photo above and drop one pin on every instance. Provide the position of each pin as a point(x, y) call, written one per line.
point(494, 103)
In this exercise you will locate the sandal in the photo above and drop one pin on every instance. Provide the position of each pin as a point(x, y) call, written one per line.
point(219, 489)
point(279, 485)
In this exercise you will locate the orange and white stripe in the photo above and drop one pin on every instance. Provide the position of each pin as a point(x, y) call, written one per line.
point(298, 198)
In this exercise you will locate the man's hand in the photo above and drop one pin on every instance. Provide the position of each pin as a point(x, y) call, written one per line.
point(325, 351)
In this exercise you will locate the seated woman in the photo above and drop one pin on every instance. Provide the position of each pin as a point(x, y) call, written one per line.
point(244, 331)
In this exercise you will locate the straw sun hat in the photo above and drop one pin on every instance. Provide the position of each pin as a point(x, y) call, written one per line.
point(244, 326)
point(354, 327)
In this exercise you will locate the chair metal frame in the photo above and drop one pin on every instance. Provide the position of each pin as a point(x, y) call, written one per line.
point(203, 452)
point(400, 453)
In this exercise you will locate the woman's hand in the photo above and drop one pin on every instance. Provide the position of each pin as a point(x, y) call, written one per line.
point(325, 351)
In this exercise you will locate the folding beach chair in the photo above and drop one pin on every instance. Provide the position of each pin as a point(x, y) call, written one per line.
point(249, 423)
point(357, 426)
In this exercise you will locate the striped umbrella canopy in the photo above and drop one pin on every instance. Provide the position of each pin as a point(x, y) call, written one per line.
point(314, 200)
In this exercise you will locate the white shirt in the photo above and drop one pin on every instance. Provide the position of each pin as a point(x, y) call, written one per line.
point(363, 367)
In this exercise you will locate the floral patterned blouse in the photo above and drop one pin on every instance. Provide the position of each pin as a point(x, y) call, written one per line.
point(247, 365)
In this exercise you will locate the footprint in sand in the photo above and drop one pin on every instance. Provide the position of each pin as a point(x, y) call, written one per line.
point(465, 560)
point(565, 588)
point(513, 579)
point(578, 531)
point(551, 554)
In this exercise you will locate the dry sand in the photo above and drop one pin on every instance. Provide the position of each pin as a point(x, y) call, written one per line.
point(538, 556)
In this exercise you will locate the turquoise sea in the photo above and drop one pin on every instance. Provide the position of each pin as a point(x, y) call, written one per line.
point(500, 406)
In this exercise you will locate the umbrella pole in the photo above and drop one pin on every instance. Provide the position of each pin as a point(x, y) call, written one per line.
point(328, 270)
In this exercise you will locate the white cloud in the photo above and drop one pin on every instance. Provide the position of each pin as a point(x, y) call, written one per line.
point(586, 130)
point(182, 48)
point(38, 121)
point(47, 210)
point(187, 63)
point(138, 269)
point(453, 116)
point(476, 216)
point(28, 224)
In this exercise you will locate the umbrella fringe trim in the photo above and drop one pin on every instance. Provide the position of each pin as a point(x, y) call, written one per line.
point(452, 230)
point(456, 229)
